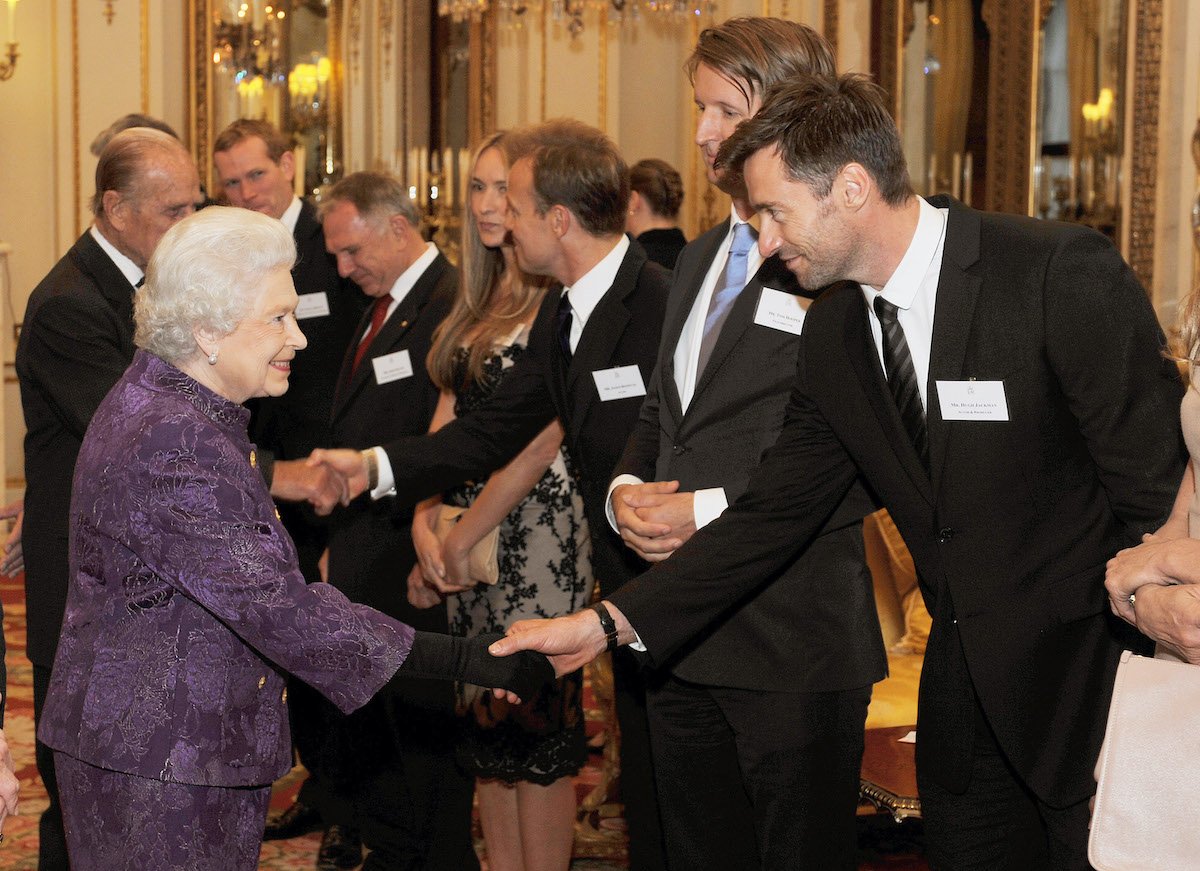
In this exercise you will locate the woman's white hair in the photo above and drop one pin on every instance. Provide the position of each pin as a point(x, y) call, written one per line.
point(204, 276)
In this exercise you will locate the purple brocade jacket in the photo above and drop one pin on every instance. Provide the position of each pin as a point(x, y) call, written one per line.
point(186, 607)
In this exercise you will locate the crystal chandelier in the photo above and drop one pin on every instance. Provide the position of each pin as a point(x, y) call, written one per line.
point(571, 12)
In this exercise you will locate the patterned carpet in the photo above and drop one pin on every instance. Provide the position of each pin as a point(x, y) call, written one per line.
point(19, 849)
point(599, 836)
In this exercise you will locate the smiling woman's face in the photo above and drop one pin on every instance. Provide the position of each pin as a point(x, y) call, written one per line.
point(256, 358)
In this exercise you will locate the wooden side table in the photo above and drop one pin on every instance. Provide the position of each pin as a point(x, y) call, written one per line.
point(888, 779)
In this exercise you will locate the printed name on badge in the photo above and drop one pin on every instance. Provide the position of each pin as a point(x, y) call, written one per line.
point(781, 311)
point(619, 382)
point(312, 305)
point(392, 367)
point(972, 400)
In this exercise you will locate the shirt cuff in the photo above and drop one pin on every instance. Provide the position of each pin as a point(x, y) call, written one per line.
point(636, 644)
point(608, 508)
point(387, 480)
point(707, 505)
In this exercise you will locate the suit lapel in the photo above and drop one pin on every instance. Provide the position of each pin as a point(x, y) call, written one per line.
point(600, 337)
point(864, 359)
point(393, 332)
point(741, 316)
point(306, 227)
point(954, 311)
point(113, 285)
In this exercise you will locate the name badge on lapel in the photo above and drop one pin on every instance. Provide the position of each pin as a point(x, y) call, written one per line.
point(619, 382)
point(392, 367)
point(781, 311)
point(312, 305)
point(972, 400)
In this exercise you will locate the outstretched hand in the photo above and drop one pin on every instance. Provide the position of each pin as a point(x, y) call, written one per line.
point(299, 481)
point(569, 642)
point(348, 465)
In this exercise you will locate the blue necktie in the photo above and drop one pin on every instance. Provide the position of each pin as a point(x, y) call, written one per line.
point(729, 284)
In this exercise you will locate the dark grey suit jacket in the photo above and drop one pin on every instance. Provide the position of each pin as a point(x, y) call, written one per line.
point(781, 637)
point(1011, 534)
point(76, 342)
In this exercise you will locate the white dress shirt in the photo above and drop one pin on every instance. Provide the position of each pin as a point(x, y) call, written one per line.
point(128, 268)
point(404, 284)
point(707, 504)
point(585, 294)
point(913, 290)
point(291, 215)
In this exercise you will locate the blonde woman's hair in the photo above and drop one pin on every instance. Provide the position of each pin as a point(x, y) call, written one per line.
point(477, 304)
point(1185, 347)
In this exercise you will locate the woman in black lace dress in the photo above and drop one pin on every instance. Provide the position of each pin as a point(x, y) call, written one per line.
point(523, 757)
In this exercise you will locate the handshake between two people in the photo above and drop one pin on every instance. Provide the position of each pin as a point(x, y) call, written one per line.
point(325, 479)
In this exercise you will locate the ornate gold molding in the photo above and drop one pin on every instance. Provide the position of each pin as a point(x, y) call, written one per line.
point(387, 21)
point(77, 199)
point(602, 50)
point(1011, 68)
point(144, 45)
point(1147, 60)
point(199, 108)
point(542, 61)
point(830, 25)
point(887, 71)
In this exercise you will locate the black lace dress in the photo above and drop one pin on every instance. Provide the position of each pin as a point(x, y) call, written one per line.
point(545, 571)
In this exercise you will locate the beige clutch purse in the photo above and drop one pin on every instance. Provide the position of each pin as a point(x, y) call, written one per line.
point(1148, 770)
point(483, 563)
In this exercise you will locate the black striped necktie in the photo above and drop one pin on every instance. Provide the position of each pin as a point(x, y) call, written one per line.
point(902, 378)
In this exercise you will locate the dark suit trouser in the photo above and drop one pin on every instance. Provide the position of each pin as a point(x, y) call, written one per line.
point(997, 823)
point(750, 779)
point(304, 714)
point(647, 848)
point(52, 841)
point(390, 774)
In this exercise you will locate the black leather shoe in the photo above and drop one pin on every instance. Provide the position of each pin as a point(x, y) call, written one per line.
point(296, 820)
point(341, 847)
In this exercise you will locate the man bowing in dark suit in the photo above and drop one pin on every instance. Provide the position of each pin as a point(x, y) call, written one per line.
point(999, 382)
point(774, 696)
point(257, 168)
point(591, 350)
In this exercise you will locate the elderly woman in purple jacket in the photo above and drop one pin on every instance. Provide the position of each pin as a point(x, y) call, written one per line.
point(167, 709)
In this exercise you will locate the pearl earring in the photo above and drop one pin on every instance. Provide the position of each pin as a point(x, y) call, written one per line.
point(212, 359)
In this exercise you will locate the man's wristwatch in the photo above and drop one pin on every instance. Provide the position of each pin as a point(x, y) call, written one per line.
point(607, 624)
point(372, 464)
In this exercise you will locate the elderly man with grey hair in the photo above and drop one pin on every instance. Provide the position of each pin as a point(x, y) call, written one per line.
point(76, 341)
point(391, 764)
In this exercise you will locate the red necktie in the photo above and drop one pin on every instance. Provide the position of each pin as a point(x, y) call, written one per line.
point(379, 314)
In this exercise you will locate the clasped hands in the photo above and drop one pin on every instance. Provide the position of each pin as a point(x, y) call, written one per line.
point(654, 519)
point(1154, 587)
point(442, 568)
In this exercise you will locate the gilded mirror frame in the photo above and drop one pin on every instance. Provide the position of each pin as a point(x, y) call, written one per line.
point(1014, 27)
point(200, 111)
